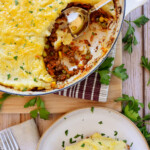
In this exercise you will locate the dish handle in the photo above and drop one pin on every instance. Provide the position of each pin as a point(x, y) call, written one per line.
point(133, 4)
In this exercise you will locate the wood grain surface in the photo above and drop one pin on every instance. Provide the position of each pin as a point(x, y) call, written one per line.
point(135, 86)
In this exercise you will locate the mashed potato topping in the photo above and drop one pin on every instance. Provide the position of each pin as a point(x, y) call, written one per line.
point(98, 142)
point(24, 24)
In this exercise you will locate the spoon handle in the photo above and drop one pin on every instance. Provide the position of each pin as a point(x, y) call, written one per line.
point(99, 5)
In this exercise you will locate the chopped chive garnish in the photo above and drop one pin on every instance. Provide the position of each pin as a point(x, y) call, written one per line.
point(100, 122)
point(21, 67)
point(71, 141)
point(115, 133)
point(15, 57)
point(92, 109)
point(103, 134)
point(83, 145)
point(8, 76)
point(63, 144)
point(35, 80)
point(66, 132)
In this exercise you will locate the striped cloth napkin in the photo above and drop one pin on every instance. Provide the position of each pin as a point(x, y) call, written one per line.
point(90, 88)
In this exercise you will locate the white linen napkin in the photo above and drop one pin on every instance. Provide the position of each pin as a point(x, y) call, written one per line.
point(26, 135)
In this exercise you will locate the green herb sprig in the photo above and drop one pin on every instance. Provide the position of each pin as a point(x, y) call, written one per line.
point(41, 110)
point(130, 38)
point(3, 98)
point(146, 64)
point(104, 71)
point(131, 108)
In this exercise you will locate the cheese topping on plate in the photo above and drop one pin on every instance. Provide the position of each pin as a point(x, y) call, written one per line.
point(24, 24)
point(98, 142)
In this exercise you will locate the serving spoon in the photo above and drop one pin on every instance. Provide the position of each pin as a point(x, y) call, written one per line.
point(79, 18)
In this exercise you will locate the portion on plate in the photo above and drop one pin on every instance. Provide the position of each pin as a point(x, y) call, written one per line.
point(99, 142)
point(37, 51)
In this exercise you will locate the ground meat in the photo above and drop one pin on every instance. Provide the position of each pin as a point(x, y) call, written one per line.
point(53, 57)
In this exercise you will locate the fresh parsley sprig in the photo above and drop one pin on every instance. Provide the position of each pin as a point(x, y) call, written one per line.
point(41, 110)
point(3, 98)
point(131, 108)
point(146, 64)
point(104, 71)
point(120, 72)
point(130, 38)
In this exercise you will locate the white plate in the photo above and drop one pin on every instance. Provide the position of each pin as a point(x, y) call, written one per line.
point(83, 121)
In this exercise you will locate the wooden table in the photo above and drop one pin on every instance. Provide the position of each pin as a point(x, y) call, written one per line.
point(136, 85)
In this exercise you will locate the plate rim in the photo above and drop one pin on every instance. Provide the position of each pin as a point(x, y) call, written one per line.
point(85, 108)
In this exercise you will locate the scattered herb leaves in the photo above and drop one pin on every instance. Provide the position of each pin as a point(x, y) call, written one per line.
point(141, 21)
point(131, 108)
point(120, 72)
point(104, 71)
point(71, 141)
point(130, 38)
point(41, 110)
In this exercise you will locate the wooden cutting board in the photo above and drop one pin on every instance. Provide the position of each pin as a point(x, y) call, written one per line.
point(60, 104)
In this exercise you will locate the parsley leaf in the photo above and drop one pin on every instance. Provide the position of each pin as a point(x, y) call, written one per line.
point(104, 77)
point(34, 113)
point(44, 114)
point(30, 103)
point(103, 70)
point(41, 110)
point(3, 98)
point(131, 108)
point(106, 64)
point(40, 103)
point(141, 21)
point(120, 72)
point(130, 38)
point(146, 64)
